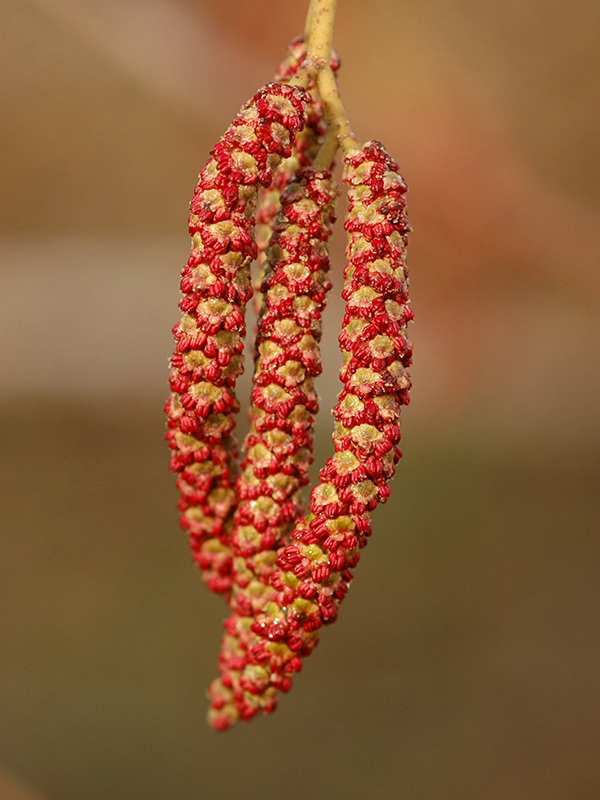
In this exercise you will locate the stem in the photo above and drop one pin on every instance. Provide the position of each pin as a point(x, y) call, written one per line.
point(305, 74)
point(309, 19)
point(327, 150)
point(316, 66)
point(335, 113)
point(320, 19)
point(319, 34)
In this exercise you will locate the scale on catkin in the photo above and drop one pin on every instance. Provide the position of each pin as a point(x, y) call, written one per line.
point(267, 194)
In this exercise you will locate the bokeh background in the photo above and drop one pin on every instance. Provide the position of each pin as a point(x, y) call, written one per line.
point(465, 664)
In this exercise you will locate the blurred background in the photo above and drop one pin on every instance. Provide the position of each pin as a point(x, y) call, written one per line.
point(465, 664)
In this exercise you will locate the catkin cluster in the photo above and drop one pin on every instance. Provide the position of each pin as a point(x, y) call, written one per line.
point(284, 570)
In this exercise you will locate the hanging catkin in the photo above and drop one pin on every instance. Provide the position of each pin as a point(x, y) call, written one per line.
point(315, 569)
point(279, 444)
point(210, 336)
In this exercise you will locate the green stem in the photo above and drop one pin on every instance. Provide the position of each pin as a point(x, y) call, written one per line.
point(321, 17)
point(335, 113)
point(316, 66)
point(309, 19)
point(327, 151)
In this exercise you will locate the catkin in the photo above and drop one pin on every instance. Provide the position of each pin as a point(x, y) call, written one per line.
point(279, 444)
point(216, 286)
point(314, 571)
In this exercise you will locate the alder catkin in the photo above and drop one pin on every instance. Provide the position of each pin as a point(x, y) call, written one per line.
point(279, 444)
point(315, 569)
point(216, 286)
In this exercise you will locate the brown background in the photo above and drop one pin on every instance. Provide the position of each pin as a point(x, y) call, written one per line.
point(465, 662)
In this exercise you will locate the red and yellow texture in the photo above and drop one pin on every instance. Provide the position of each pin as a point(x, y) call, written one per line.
point(315, 569)
point(216, 286)
point(279, 444)
point(305, 150)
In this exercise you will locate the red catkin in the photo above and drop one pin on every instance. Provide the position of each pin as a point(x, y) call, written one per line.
point(216, 286)
point(279, 443)
point(315, 568)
